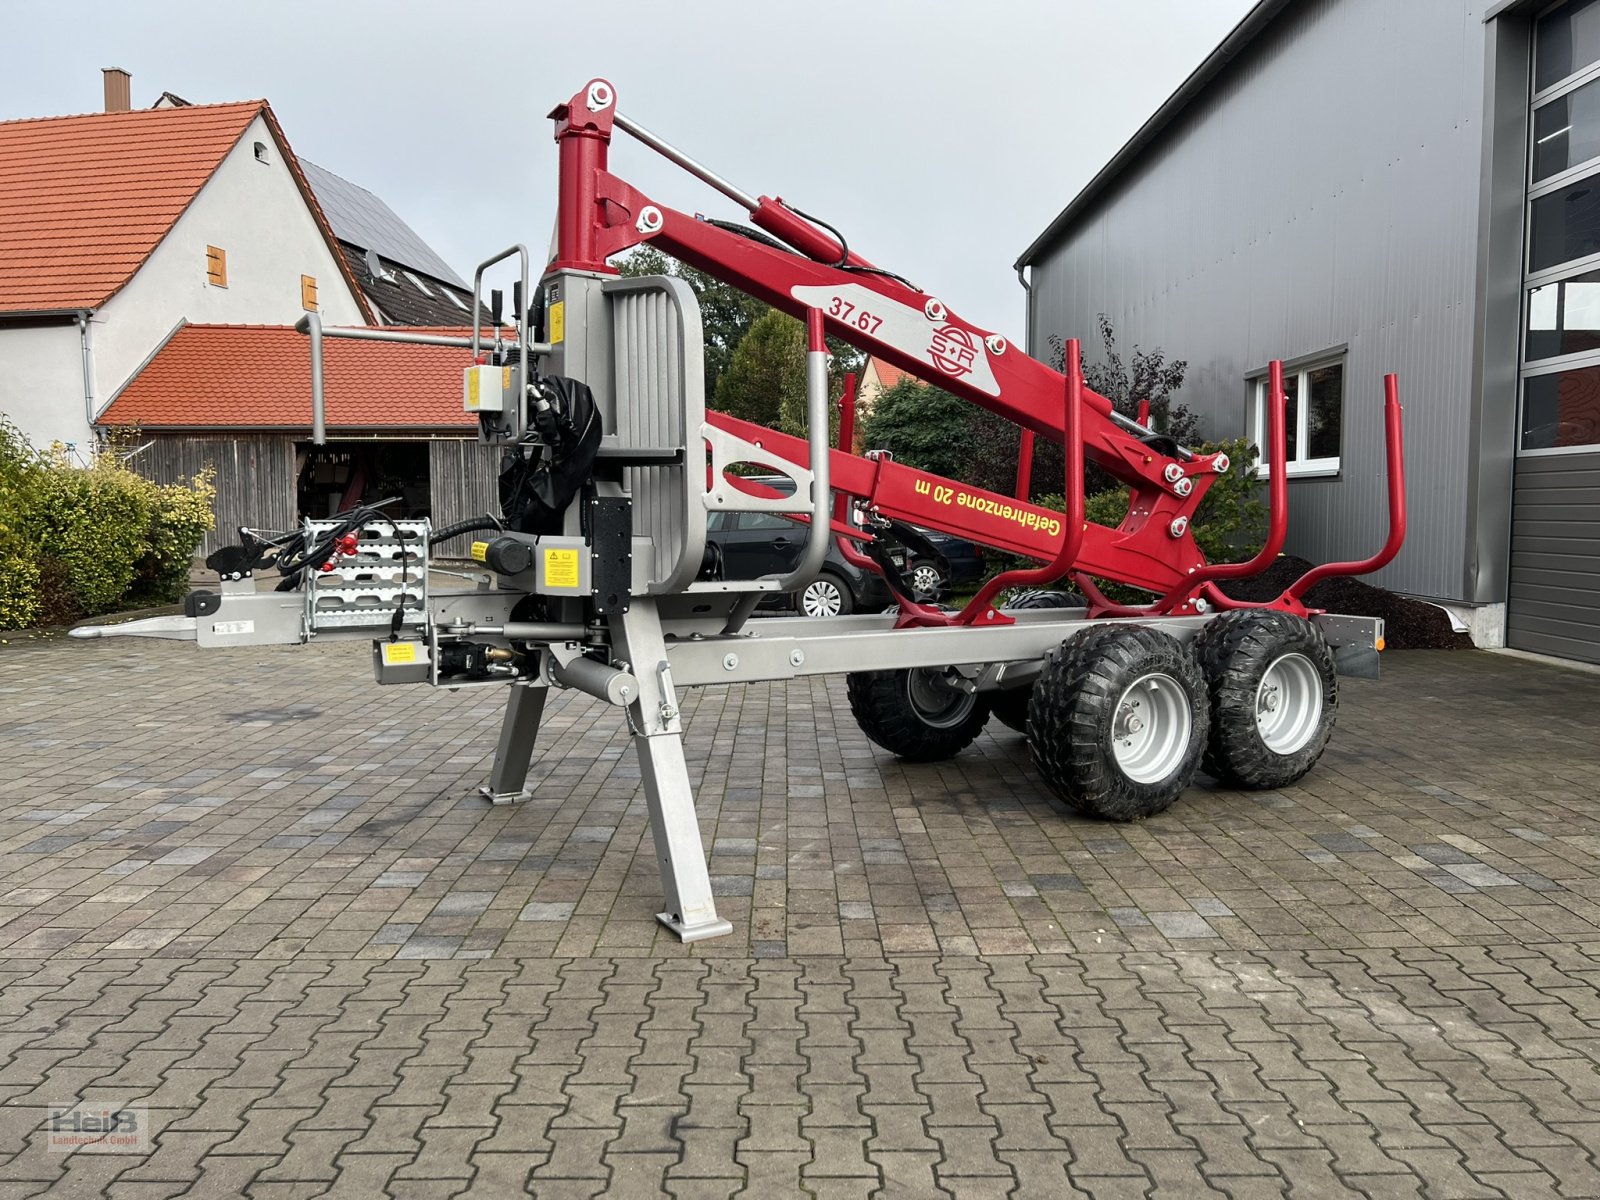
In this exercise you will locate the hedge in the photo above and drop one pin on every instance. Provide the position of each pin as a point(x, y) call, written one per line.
point(76, 541)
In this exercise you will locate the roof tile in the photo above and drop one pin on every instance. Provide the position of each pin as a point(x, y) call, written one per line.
point(85, 199)
point(259, 376)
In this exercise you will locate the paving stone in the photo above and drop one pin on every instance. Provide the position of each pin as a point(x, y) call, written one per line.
point(1397, 997)
point(1178, 925)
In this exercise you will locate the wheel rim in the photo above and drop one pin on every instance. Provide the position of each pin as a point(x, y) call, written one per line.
point(925, 579)
point(821, 599)
point(1289, 704)
point(935, 701)
point(1151, 728)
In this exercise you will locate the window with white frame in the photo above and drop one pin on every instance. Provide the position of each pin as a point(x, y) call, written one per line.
point(1312, 427)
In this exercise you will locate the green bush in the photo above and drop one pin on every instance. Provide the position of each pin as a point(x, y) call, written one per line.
point(79, 541)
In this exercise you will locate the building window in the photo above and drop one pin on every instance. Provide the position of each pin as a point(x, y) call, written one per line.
point(1561, 410)
point(1560, 404)
point(261, 152)
point(1565, 43)
point(1313, 412)
point(216, 267)
point(1564, 224)
point(1563, 318)
point(308, 293)
point(1566, 131)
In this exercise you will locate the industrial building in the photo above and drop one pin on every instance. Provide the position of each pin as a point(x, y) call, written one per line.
point(1363, 186)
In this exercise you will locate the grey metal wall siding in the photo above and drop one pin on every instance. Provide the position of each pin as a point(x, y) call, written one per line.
point(464, 481)
point(255, 478)
point(1323, 192)
point(1555, 557)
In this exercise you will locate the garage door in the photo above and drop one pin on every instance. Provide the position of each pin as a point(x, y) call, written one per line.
point(1554, 605)
point(1554, 600)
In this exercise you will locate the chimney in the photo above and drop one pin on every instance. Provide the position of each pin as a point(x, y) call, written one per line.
point(118, 92)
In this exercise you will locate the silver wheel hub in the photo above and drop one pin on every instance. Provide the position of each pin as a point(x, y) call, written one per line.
point(938, 698)
point(1289, 704)
point(925, 579)
point(821, 599)
point(1151, 728)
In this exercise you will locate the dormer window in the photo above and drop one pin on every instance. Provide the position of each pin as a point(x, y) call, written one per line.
point(261, 152)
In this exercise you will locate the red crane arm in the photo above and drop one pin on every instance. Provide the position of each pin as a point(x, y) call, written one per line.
point(876, 311)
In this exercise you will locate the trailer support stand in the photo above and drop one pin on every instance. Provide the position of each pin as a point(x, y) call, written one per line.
point(520, 728)
point(691, 910)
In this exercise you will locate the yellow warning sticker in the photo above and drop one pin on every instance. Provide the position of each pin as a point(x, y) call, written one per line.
point(556, 318)
point(505, 379)
point(399, 652)
point(472, 389)
point(560, 568)
point(480, 551)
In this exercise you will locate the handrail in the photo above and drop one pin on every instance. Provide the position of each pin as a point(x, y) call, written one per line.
point(311, 325)
point(523, 300)
point(821, 529)
point(978, 608)
point(1394, 446)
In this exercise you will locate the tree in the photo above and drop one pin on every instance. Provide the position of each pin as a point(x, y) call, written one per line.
point(766, 372)
point(922, 426)
point(726, 313)
point(1145, 376)
point(1150, 376)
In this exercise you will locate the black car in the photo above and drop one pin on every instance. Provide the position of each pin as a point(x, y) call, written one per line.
point(963, 564)
point(753, 544)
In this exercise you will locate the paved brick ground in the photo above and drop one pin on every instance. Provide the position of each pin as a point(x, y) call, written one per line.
point(257, 895)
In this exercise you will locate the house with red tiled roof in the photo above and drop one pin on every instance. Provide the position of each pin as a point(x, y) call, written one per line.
point(152, 264)
point(115, 226)
point(876, 378)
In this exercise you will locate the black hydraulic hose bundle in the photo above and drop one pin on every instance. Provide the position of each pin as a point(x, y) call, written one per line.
point(471, 525)
point(536, 490)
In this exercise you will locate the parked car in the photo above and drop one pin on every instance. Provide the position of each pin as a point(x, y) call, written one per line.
point(963, 564)
point(759, 543)
point(756, 544)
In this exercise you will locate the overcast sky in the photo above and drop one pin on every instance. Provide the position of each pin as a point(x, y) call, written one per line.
point(940, 137)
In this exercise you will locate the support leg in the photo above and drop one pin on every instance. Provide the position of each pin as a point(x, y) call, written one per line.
point(691, 910)
point(509, 777)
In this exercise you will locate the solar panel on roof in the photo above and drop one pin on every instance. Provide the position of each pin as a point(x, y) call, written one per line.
point(361, 218)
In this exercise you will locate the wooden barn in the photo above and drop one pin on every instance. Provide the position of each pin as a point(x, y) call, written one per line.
point(238, 398)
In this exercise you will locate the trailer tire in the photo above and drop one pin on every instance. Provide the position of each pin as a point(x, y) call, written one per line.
point(905, 713)
point(1011, 707)
point(1094, 741)
point(1046, 598)
point(1274, 697)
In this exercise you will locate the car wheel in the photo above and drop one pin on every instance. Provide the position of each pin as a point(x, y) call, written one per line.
point(926, 579)
point(826, 596)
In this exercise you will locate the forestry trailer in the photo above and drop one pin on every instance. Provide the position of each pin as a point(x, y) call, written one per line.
point(598, 574)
